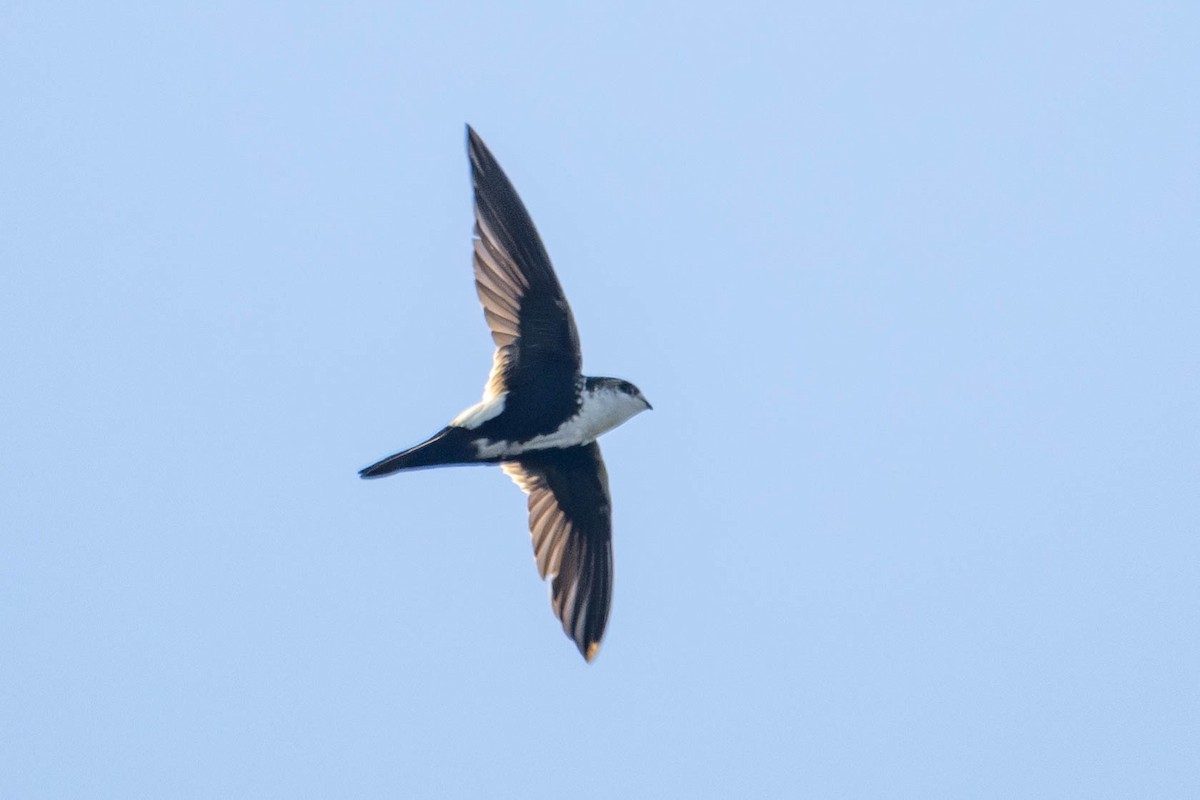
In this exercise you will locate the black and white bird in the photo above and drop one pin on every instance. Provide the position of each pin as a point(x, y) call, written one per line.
point(540, 416)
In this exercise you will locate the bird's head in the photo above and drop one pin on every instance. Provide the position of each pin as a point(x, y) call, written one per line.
point(634, 393)
point(621, 398)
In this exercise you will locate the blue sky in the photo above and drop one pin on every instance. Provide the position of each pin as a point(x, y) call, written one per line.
point(915, 294)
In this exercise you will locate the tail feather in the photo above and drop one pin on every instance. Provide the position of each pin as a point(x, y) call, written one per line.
point(448, 446)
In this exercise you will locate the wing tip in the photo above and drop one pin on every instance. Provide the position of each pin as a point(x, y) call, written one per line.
point(476, 149)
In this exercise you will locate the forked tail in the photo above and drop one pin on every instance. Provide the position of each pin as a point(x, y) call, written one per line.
point(448, 446)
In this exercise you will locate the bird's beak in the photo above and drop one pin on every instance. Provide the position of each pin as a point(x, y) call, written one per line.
point(648, 406)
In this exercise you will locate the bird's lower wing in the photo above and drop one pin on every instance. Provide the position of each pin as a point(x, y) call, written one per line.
point(570, 521)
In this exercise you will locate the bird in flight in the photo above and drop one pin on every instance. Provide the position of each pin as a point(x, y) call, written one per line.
point(540, 416)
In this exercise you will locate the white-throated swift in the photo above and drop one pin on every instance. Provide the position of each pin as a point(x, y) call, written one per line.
point(540, 416)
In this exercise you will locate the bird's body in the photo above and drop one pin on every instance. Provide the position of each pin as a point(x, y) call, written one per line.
point(540, 416)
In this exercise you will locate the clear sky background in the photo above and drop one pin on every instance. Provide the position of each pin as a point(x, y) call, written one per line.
point(915, 292)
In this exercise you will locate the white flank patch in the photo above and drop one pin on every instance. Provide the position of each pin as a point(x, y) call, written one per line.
point(481, 412)
point(602, 410)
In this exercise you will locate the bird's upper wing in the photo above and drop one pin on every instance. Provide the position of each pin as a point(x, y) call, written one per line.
point(531, 323)
point(570, 521)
